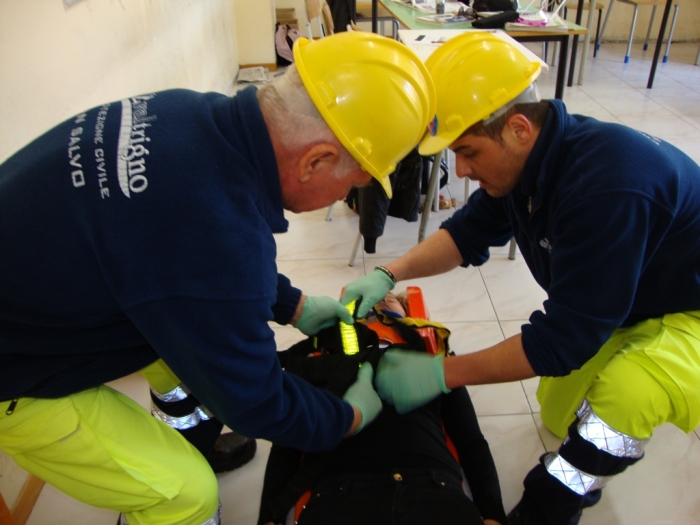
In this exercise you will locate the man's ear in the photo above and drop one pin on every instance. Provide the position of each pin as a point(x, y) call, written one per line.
point(520, 128)
point(320, 159)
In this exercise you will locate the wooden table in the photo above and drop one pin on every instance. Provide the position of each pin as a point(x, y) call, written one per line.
point(407, 17)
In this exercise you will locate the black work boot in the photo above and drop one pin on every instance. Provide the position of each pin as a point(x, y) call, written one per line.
point(523, 514)
point(230, 451)
point(518, 516)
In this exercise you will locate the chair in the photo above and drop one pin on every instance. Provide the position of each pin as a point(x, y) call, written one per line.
point(636, 4)
point(598, 6)
point(318, 10)
point(23, 505)
point(431, 201)
point(697, 58)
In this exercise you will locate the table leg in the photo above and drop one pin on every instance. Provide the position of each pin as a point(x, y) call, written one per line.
point(574, 44)
point(587, 41)
point(659, 41)
point(561, 73)
point(375, 15)
point(605, 24)
point(432, 191)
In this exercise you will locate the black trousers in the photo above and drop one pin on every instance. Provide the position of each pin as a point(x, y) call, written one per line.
point(403, 497)
point(547, 501)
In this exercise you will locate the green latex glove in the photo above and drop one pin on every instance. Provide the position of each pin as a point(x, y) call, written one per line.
point(362, 395)
point(320, 313)
point(371, 288)
point(409, 379)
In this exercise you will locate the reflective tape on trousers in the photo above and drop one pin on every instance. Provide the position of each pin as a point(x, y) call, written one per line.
point(183, 422)
point(596, 431)
point(578, 481)
point(176, 394)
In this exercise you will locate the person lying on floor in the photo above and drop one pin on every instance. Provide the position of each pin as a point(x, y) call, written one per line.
point(398, 470)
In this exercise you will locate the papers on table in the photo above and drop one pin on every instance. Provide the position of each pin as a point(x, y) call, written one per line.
point(537, 23)
point(428, 6)
point(443, 20)
point(424, 41)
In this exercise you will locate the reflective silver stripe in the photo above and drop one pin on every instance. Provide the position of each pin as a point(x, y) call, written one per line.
point(577, 480)
point(216, 518)
point(204, 413)
point(176, 394)
point(182, 422)
point(594, 430)
point(122, 520)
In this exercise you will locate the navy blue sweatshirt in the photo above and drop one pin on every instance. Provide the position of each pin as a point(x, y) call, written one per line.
point(608, 221)
point(143, 229)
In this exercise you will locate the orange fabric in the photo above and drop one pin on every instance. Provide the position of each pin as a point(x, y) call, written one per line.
point(418, 309)
point(385, 333)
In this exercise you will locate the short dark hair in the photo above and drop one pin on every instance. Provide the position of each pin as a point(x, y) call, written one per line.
point(535, 112)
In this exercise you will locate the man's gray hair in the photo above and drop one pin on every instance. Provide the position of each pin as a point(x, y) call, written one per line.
point(296, 121)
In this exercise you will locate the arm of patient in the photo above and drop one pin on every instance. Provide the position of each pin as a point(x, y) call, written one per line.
point(475, 457)
point(282, 464)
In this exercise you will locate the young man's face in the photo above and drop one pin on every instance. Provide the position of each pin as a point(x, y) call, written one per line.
point(495, 166)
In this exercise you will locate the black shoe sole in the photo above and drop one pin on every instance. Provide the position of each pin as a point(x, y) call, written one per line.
point(222, 463)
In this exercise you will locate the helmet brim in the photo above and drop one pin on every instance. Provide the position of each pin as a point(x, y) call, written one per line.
point(432, 144)
point(385, 183)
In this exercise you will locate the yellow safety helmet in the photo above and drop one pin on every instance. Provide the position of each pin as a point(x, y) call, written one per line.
point(374, 93)
point(475, 74)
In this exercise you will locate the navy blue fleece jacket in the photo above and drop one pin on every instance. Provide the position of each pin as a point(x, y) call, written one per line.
point(143, 229)
point(608, 220)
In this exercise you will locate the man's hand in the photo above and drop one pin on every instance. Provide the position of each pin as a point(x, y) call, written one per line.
point(319, 313)
point(408, 379)
point(372, 288)
point(361, 395)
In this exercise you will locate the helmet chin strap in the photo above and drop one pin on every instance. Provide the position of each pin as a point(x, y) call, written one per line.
point(529, 96)
point(295, 96)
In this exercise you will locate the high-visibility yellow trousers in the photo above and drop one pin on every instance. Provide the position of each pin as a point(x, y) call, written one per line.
point(103, 449)
point(644, 376)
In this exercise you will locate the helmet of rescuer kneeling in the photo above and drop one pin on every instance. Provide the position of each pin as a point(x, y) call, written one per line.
point(475, 74)
point(374, 93)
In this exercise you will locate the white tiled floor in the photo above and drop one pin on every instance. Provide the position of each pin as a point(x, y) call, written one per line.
point(482, 306)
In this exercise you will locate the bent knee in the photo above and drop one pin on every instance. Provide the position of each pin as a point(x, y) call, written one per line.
point(200, 494)
point(196, 503)
point(629, 399)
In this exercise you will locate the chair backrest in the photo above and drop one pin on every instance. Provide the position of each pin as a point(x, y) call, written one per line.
point(320, 11)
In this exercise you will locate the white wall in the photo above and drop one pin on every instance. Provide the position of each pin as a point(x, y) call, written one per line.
point(255, 24)
point(56, 62)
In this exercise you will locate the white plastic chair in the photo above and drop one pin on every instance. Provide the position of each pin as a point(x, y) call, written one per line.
point(318, 10)
point(636, 4)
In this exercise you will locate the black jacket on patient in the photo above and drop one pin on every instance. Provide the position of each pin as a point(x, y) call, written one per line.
point(357, 482)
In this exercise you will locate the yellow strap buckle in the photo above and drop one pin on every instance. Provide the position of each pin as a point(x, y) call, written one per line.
point(348, 335)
